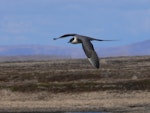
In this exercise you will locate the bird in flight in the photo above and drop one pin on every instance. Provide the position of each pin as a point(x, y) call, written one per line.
point(87, 46)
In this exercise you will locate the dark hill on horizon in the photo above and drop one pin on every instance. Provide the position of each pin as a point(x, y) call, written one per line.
point(136, 49)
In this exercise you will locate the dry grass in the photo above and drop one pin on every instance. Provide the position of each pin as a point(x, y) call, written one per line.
point(92, 101)
point(122, 83)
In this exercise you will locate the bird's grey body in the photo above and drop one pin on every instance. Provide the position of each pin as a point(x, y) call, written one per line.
point(87, 46)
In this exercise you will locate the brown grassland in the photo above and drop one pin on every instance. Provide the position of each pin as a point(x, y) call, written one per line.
point(122, 84)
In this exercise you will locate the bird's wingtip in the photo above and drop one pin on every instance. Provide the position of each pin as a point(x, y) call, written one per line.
point(55, 38)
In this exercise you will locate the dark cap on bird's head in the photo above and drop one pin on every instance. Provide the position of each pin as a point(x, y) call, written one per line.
point(70, 41)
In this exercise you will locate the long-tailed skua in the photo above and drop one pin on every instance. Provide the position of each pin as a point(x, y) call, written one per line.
point(87, 46)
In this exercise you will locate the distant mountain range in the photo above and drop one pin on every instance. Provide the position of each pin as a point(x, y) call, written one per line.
point(25, 50)
point(141, 48)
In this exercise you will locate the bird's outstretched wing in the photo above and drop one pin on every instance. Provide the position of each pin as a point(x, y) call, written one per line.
point(90, 53)
point(100, 39)
point(65, 35)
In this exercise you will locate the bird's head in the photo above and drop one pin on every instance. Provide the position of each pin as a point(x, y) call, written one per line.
point(74, 40)
point(71, 40)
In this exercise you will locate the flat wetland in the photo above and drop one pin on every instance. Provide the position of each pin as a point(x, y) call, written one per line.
point(121, 84)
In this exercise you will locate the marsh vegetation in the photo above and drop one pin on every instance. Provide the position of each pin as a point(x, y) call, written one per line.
point(39, 80)
point(122, 73)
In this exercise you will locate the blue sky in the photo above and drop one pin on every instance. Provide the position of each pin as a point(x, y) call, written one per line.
point(37, 22)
